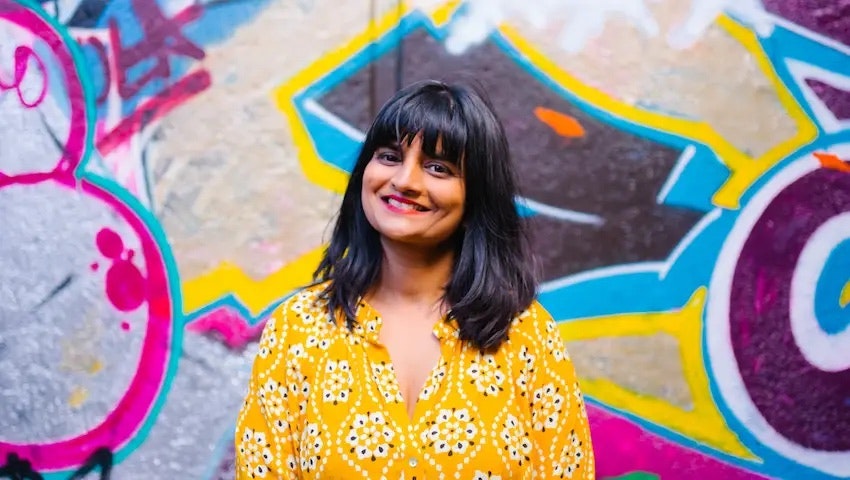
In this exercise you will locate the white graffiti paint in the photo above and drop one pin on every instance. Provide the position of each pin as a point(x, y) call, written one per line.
point(580, 21)
point(704, 12)
point(826, 351)
point(825, 117)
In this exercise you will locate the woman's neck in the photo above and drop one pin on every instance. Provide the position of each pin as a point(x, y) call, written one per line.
point(413, 275)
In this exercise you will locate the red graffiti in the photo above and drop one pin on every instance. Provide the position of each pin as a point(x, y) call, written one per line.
point(24, 57)
point(154, 109)
point(125, 284)
point(161, 38)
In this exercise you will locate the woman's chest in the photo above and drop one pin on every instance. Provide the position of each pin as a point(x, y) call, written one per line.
point(471, 417)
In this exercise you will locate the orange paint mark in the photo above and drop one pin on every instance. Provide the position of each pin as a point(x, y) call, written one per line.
point(828, 160)
point(563, 124)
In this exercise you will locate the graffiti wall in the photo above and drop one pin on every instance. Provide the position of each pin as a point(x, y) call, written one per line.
point(168, 170)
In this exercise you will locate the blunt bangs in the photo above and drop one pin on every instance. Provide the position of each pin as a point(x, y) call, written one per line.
point(431, 112)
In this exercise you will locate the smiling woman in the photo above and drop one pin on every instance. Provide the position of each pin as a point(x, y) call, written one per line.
point(421, 351)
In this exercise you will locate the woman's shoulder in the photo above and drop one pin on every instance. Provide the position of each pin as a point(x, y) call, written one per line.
point(291, 328)
point(534, 316)
point(308, 296)
point(303, 309)
point(531, 324)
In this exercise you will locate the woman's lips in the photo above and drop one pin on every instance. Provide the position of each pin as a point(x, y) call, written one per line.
point(402, 205)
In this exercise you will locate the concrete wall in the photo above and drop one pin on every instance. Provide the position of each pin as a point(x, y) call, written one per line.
point(168, 170)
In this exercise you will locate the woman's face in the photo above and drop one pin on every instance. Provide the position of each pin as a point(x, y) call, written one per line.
point(411, 198)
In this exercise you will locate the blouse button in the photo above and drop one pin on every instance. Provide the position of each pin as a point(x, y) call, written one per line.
point(413, 462)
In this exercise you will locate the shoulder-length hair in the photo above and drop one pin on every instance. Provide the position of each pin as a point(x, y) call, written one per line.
point(493, 277)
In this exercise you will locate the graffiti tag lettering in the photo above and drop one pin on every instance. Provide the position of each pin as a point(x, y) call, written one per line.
point(21, 77)
point(136, 65)
point(161, 38)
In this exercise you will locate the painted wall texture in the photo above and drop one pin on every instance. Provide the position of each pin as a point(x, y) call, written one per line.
point(168, 170)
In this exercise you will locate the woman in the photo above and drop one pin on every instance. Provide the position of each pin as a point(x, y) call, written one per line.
point(437, 362)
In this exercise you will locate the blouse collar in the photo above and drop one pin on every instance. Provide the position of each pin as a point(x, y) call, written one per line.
point(368, 325)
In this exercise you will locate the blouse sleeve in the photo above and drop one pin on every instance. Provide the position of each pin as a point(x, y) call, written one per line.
point(560, 431)
point(266, 428)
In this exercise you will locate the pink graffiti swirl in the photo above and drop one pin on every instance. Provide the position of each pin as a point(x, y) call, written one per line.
point(127, 418)
point(23, 56)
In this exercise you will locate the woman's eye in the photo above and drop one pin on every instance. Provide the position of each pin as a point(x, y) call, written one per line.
point(438, 168)
point(388, 157)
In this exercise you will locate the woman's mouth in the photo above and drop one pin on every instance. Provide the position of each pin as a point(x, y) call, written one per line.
point(402, 204)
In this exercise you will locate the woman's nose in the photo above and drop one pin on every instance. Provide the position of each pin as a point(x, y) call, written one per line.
point(408, 176)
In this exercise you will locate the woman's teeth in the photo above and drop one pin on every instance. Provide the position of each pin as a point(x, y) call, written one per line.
point(404, 206)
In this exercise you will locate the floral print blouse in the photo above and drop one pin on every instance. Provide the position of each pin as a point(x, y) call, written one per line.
point(323, 402)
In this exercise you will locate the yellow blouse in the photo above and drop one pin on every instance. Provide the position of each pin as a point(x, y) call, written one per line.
point(323, 402)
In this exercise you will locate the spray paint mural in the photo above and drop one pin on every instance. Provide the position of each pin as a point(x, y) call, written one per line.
point(168, 169)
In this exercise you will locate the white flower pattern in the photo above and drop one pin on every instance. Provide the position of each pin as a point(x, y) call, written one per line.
point(547, 405)
point(255, 452)
point(570, 457)
point(311, 447)
point(384, 376)
point(486, 375)
point(274, 396)
point(451, 433)
point(370, 437)
point(479, 475)
point(337, 387)
point(517, 442)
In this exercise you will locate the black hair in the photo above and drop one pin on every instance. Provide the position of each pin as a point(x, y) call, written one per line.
point(493, 277)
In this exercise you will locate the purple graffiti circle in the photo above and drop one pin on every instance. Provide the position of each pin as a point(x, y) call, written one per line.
point(130, 289)
point(767, 352)
point(759, 333)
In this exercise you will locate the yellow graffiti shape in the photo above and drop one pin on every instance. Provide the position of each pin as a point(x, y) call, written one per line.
point(702, 422)
point(254, 295)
